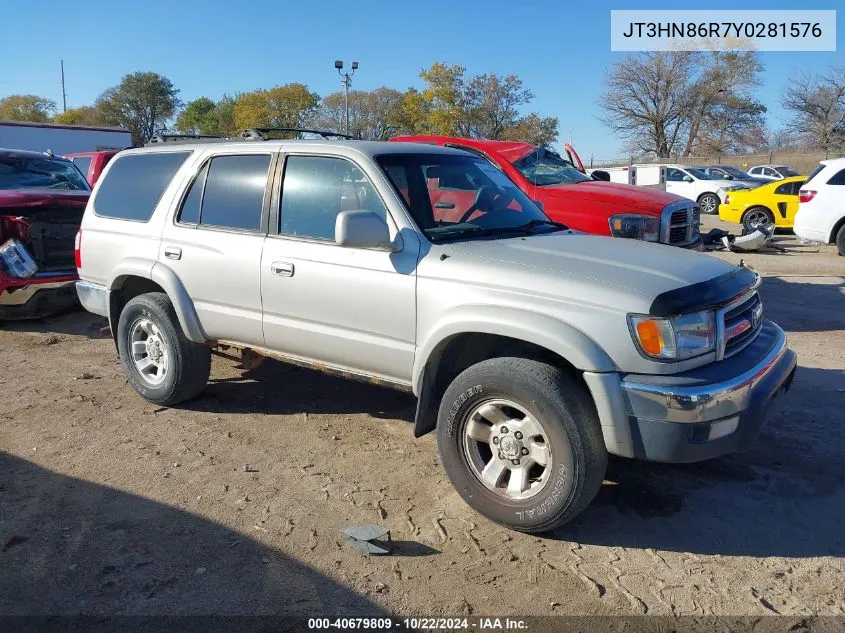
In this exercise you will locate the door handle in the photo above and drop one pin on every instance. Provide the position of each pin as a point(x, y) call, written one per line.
point(283, 269)
point(444, 205)
point(173, 252)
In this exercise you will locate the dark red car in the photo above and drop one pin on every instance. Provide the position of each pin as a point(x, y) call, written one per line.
point(570, 196)
point(42, 199)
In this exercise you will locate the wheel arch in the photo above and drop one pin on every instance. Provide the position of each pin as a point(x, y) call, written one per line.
point(757, 206)
point(136, 277)
point(457, 344)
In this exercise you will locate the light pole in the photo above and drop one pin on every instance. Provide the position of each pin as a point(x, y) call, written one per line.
point(346, 80)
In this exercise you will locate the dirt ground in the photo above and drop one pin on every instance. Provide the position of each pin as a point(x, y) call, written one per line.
point(233, 503)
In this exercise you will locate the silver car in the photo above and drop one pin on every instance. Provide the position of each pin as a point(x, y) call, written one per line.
point(534, 351)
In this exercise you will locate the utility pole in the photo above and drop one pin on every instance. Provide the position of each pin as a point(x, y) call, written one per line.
point(64, 94)
point(346, 81)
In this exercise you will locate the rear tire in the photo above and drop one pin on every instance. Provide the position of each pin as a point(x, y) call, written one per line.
point(709, 203)
point(757, 217)
point(840, 240)
point(528, 412)
point(162, 365)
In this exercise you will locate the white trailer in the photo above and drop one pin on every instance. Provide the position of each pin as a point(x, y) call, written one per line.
point(61, 139)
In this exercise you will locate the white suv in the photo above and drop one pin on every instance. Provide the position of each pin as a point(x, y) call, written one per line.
point(821, 210)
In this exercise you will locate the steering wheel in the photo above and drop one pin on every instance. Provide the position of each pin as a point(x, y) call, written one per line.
point(486, 196)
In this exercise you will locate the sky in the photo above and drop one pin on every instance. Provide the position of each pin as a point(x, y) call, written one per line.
point(559, 48)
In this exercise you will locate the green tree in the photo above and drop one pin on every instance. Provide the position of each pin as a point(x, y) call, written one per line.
point(291, 105)
point(26, 108)
point(373, 114)
point(197, 117)
point(445, 98)
point(533, 129)
point(491, 104)
point(85, 115)
point(142, 103)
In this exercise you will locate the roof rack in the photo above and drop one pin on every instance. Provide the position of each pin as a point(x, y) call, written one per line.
point(250, 134)
point(263, 132)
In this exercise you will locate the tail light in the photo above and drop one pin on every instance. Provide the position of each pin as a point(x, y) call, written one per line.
point(805, 195)
point(77, 250)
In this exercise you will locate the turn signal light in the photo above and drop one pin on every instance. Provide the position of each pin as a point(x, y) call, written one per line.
point(650, 337)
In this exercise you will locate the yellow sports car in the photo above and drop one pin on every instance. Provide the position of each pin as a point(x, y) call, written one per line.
point(773, 203)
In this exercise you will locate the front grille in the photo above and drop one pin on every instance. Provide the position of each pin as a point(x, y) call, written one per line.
point(741, 323)
point(680, 225)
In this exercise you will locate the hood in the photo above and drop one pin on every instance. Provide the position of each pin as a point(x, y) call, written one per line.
point(42, 198)
point(617, 273)
point(628, 196)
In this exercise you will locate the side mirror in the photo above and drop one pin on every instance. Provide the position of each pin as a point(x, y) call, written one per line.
point(362, 229)
point(539, 204)
point(687, 178)
point(600, 174)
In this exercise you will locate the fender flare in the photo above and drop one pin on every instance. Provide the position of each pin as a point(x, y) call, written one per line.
point(542, 330)
point(172, 285)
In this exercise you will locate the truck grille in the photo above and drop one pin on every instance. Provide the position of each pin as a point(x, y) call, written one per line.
point(680, 225)
point(740, 323)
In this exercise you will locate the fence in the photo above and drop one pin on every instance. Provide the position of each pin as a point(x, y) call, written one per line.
point(804, 163)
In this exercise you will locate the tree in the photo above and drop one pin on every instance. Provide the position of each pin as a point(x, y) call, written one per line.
point(85, 115)
point(817, 102)
point(291, 105)
point(492, 104)
point(197, 117)
point(444, 99)
point(533, 129)
point(26, 108)
point(666, 103)
point(142, 103)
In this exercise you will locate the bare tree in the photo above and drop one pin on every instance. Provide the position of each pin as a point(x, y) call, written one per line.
point(818, 106)
point(648, 99)
point(492, 104)
point(667, 103)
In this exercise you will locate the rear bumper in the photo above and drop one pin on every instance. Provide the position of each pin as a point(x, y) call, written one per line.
point(700, 414)
point(93, 297)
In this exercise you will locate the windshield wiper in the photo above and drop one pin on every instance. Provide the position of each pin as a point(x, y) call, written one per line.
point(487, 231)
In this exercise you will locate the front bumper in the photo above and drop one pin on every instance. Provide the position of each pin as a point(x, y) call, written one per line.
point(704, 413)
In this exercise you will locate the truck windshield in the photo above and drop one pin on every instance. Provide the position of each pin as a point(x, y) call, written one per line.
point(453, 197)
point(40, 173)
point(543, 168)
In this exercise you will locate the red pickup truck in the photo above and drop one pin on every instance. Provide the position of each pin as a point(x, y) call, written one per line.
point(568, 195)
point(92, 164)
point(42, 199)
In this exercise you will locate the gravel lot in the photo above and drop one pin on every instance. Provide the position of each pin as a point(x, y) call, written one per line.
point(234, 503)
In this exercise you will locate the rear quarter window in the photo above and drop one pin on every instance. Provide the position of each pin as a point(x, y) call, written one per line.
point(838, 178)
point(134, 184)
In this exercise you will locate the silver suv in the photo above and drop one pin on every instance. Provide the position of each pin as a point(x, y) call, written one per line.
point(533, 351)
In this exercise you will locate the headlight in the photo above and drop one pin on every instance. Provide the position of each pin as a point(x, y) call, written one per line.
point(637, 227)
point(675, 338)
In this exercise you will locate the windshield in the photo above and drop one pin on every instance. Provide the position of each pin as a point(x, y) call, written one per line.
point(40, 173)
point(462, 197)
point(697, 173)
point(543, 168)
point(787, 172)
point(736, 172)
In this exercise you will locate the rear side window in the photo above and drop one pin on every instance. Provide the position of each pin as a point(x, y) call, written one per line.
point(234, 191)
point(134, 185)
point(789, 188)
point(190, 212)
point(838, 179)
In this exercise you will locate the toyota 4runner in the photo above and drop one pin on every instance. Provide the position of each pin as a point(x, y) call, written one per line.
point(533, 351)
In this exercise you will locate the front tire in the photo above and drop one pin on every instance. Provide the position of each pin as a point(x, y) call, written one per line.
point(162, 365)
point(521, 443)
point(709, 203)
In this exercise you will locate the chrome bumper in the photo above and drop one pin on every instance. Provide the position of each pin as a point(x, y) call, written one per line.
point(697, 415)
point(93, 297)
